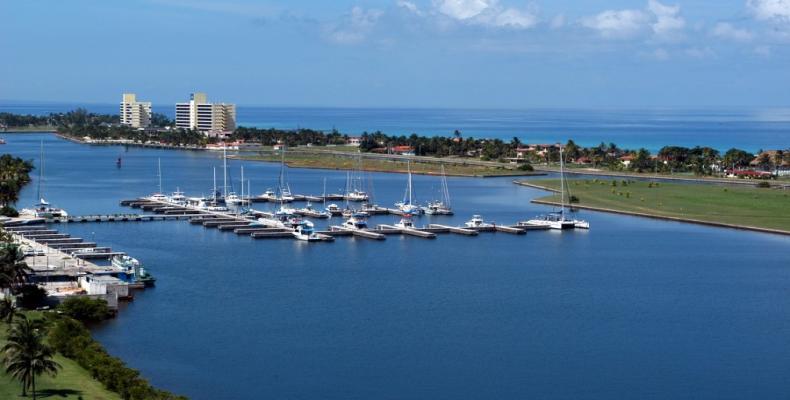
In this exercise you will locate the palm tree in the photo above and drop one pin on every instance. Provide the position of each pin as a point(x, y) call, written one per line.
point(25, 356)
point(7, 310)
point(13, 268)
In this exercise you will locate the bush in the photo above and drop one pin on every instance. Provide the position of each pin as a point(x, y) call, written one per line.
point(31, 297)
point(525, 167)
point(70, 337)
point(763, 184)
point(573, 199)
point(8, 211)
point(85, 309)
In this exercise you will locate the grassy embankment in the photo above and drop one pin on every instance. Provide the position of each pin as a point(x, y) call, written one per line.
point(29, 129)
point(762, 208)
point(72, 381)
point(333, 161)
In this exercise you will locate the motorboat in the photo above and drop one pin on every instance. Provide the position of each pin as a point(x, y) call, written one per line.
point(305, 231)
point(133, 270)
point(478, 222)
point(356, 221)
point(554, 220)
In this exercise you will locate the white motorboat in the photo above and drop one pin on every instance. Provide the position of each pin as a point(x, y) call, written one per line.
point(405, 223)
point(333, 209)
point(305, 231)
point(309, 211)
point(356, 221)
point(477, 222)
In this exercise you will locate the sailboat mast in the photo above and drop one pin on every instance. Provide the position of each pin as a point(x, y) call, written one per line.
point(242, 182)
point(40, 173)
point(225, 171)
point(408, 167)
point(445, 189)
point(562, 185)
point(214, 192)
point(324, 196)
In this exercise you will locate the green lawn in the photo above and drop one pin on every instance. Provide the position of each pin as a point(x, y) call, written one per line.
point(748, 206)
point(72, 382)
point(329, 161)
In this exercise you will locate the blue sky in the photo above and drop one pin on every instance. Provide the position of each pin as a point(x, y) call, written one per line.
point(416, 53)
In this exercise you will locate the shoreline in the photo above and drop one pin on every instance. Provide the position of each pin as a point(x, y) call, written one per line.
point(648, 215)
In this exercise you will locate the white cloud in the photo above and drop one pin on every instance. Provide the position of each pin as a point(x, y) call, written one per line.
point(411, 7)
point(617, 23)
point(355, 27)
point(668, 21)
point(463, 9)
point(486, 12)
point(726, 30)
point(660, 54)
point(770, 9)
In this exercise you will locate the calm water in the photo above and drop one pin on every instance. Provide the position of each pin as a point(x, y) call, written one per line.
point(750, 129)
point(634, 308)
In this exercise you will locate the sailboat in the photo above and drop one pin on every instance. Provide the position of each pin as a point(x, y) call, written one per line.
point(354, 191)
point(43, 209)
point(407, 205)
point(159, 195)
point(442, 206)
point(558, 220)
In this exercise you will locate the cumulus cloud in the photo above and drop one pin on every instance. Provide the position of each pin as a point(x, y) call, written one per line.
point(409, 6)
point(355, 26)
point(664, 21)
point(668, 22)
point(778, 10)
point(486, 12)
point(617, 23)
point(726, 30)
point(703, 52)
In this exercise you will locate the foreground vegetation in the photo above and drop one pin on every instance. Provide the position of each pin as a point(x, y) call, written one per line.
point(14, 175)
point(744, 206)
point(330, 161)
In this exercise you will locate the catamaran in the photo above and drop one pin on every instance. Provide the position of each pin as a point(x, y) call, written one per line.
point(407, 206)
point(558, 220)
point(43, 209)
point(442, 206)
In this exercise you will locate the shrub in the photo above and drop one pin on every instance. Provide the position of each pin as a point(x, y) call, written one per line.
point(85, 309)
point(31, 297)
point(526, 167)
point(573, 199)
point(8, 211)
point(763, 184)
point(614, 183)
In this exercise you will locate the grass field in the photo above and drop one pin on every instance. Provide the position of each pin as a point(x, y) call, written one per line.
point(72, 382)
point(330, 161)
point(744, 206)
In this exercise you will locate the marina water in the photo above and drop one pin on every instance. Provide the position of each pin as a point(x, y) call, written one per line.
point(634, 308)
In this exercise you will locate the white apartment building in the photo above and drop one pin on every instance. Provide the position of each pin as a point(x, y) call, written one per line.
point(136, 114)
point(201, 115)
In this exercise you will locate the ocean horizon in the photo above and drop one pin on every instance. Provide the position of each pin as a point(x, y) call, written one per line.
point(748, 128)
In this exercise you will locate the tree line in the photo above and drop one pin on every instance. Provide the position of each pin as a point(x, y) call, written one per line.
point(14, 175)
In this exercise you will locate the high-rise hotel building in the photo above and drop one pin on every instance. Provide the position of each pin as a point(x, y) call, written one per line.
point(136, 114)
point(203, 116)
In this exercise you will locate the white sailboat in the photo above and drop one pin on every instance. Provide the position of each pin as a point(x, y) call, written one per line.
point(558, 220)
point(354, 185)
point(407, 204)
point(43, 209)
point(441, 206)
point(159, 195)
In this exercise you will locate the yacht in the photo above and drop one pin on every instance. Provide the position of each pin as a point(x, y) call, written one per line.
point(233, 199)
point(357, 195)
point(442, 206)
point(306, 231)
point(312, 212)
point(405, 223)
point(477, 222)
point(177, 197)
point(356, 221)
point(268, 195)
point(355, 184)
point(333, 209)
point(133, 270)
point(43, 209)
point(407, 206)
point(558, 220)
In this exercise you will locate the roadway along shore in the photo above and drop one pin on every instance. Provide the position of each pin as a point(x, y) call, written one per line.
point(486, 168)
